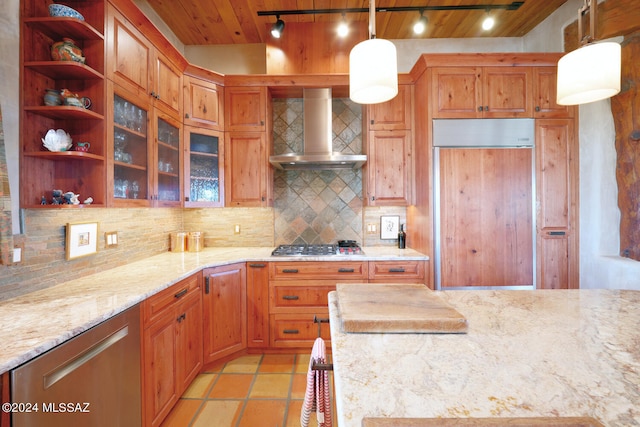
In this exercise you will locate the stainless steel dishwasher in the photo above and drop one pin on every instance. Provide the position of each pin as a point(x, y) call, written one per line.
point(92, 380)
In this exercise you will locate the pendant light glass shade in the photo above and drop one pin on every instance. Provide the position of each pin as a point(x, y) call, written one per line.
point(589, 74)
point(373, 71)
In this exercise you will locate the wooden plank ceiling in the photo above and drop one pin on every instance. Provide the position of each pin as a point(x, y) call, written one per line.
point(203, 22)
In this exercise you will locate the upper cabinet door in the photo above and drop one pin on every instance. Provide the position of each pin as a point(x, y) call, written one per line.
point(394, 114)
point(545, 84)
point(129, 54)
point(245, 108)
point(506, 92)
point(166, 85)
point(203, 103)
point(482, 92)
point(456, 92)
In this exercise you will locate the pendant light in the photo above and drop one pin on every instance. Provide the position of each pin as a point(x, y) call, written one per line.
point(591, 72)
point(373, 67)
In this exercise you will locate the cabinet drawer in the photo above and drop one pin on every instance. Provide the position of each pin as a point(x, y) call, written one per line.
point(156, 304)
point(295, 330)
point(397, 270)
point(287, 295)
point(348, 270)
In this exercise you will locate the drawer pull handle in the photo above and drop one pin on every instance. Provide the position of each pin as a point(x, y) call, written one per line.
point(346, 270)
point(291, 297)
point(181, 293)
point(396, 270)
point(181, 317)
point(290, 270)
point(290, 331)
point(556, 233)
point(261, 265)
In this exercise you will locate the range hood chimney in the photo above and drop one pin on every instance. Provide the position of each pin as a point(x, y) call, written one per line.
point(317, 145)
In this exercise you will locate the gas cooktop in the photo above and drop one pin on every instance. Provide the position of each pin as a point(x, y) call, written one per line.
point(344, 247)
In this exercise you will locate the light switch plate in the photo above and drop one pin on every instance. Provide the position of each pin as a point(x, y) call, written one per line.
point(111, 239)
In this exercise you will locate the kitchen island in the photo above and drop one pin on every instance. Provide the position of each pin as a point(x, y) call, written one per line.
point(543, 353)
point(36, 322)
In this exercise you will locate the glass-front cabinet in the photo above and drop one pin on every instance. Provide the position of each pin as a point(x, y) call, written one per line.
point(146, 158)
point(203, 168)
point(130, 153)
point(167, 158)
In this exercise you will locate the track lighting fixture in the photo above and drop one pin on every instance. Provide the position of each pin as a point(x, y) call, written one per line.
point(277, 28)
point(488, 22)
point(343, 27)
point(420, 25)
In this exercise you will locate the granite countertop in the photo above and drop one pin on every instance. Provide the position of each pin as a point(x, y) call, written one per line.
point(542, 353)
point(36, 322)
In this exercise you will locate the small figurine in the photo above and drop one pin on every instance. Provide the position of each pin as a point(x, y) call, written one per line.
point(43, 201)
point(57, 197)
point(88, 201)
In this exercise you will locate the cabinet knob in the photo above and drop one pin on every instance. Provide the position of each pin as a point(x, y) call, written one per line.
point(537, 108)
point(186, 115)
point(372, 121)
point(480, 108)
point(261, 122)
point(486, 108)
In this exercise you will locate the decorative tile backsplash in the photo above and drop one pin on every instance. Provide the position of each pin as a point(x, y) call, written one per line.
point(317, 206)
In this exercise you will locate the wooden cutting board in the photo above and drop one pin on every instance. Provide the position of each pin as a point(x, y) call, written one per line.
point(396, 308)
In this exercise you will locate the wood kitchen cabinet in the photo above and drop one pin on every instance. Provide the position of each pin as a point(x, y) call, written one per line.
point(146, 156)
point(203, 103)
point(203, 167)
point(397, 271)
point(389, 168)
point(257, 305)
point(388, 173)
point(248, 179)
point(298, 292)
point(41, 171)
point(545, 94)
point(557, 204)
point(137, 66)
point(395, 114)
point(481, 92)
point(171, 347)
point(225, 311)
point(246, 109)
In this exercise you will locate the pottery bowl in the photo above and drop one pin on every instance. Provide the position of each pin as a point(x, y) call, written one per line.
point(57, 140)
point(60, 10)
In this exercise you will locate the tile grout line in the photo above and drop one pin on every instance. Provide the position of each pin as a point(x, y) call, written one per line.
point(206, 395)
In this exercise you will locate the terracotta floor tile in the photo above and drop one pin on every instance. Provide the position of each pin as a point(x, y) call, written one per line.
point(302, 363)
point(182, 414)
point(281, 363)
point(263, 413)
point(200, 386)
point(218, 413)
point(271, 386)
point(243, 365)
point(214, 367)
point(231, 386)
point(299, 386)
point(293, 413)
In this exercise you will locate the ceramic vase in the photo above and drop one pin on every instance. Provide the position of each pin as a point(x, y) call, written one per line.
point(66, 50)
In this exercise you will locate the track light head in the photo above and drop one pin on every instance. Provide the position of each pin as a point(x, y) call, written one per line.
point(488, 22)
point(343, 27)
point(277, 28)
point(420, 25)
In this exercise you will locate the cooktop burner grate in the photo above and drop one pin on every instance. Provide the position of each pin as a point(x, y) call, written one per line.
point(317, 250)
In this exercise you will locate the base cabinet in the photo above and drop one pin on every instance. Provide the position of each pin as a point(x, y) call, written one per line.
point(257, 305)
point(171, 347)
point(225, 311)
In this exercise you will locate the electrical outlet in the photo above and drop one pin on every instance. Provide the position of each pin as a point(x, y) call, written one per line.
point(111, 239)
point(372, 228)
point(17, 255)
point(236, 229)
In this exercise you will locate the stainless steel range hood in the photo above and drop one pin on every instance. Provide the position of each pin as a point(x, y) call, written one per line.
point(317, 145)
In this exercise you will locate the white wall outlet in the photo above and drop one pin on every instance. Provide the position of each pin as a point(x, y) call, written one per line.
point(111, 239)
point(17, 255)
point(372, 228)
point(236, 229)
